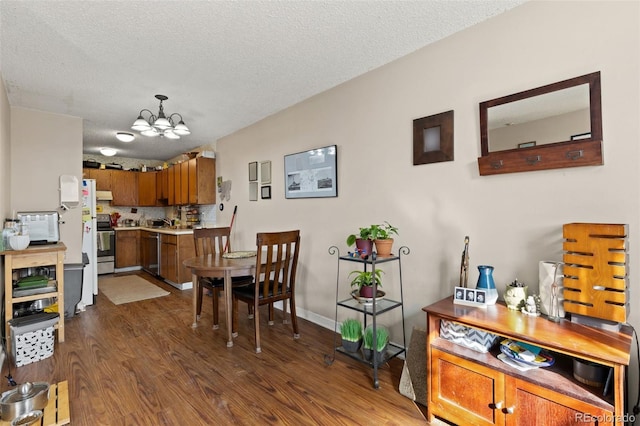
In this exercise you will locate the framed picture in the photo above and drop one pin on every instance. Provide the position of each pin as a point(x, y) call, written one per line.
point(253, 191)
point(526, 144)
point(253, 171)
point(580, 136)
point(265, 172)
point(311, 174)
point(433, 138)
point(265, 192)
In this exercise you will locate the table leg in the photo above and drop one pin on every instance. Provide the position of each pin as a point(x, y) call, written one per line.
point(228, 306)
point(194, 279)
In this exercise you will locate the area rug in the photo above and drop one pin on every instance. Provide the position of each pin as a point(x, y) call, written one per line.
point(128, 288)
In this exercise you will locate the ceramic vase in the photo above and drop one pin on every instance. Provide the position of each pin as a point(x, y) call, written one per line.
point(514, 297)
point(486, 282)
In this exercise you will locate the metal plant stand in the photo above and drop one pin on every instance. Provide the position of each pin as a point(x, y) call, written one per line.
point(378, 306)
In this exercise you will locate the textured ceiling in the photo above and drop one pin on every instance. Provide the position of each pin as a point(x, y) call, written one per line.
point(223, 64)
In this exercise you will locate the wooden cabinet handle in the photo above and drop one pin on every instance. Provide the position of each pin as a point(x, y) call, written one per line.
point(533, 159)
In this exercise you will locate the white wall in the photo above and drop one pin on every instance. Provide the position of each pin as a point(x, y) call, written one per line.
point(40, 154)
point(5, 152)
point(513, 220)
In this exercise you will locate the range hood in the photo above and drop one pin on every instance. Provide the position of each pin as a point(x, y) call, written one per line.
point(104, 196)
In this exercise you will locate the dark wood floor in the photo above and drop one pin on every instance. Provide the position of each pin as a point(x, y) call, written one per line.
point(142, 364)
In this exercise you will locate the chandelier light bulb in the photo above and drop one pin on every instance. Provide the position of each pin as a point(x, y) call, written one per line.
point(151, 132)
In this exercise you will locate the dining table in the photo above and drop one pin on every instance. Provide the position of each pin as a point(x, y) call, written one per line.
point(220, 265)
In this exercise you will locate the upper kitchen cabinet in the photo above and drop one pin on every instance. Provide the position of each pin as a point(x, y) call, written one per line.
point(184, 185)
point(202, 181)
point(147, 189)
point(102, 177)
point(162, 187)
point(124, 187)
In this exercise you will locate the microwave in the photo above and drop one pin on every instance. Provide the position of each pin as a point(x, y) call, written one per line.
point(44, 227)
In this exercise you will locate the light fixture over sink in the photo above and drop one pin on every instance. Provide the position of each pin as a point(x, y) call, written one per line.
point(160, 125)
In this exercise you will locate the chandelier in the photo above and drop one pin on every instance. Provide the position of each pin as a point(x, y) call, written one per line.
point(160, 125)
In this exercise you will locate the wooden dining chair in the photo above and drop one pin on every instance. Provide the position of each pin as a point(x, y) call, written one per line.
point(275, 279)
point(209, 241)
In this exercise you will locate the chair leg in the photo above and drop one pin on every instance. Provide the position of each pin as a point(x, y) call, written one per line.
point(294, 318)
point(216, 302)
point(271, 312)
point(199, 300)
point(256, 325)
point(250, 311)
point(234, 315)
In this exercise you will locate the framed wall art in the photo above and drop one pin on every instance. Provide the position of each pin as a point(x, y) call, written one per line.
point(253, 171)
point(265, 172)
point(265, 192)
point(312, 173)
point(433, 138)
point(253, 191)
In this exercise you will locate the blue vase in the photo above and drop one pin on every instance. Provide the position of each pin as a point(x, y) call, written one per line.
point(485, 282)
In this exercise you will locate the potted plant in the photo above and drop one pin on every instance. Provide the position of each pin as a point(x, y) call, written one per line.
point(381, 236)
point(362, 240)
point(351, 331)
point(364, 281)
point(380, 343)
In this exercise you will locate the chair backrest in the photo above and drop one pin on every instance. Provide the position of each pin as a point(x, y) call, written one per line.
point(211, 240)
point(276, 263)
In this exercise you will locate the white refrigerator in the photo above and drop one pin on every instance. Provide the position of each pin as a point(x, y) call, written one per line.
point(89, 244)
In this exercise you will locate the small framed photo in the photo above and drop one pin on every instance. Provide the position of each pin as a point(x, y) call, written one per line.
point(581, 136)
point(471, 296)
point(253, 191)
point(265, 172)
point(527, 144)
point(433, 138)
point(459, 294)
point(253, 171)
point(265, 192)
point(481, 296)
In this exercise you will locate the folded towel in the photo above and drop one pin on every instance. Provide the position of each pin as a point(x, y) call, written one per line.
point(104, 241)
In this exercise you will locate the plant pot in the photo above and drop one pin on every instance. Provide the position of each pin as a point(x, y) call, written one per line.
point(380, 356)
point(383, 247)
point(366, 291)
point(364, 246)
point(351, 346)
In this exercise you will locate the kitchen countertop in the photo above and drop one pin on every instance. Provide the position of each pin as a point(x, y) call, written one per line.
point(170, 231)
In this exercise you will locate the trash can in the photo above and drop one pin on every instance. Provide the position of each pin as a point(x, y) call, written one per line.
point(73, 273)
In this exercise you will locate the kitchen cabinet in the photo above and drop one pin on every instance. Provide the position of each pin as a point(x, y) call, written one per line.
point(124, 187)
point(147, 189)
point(162, 183)
point(468, 387)
point(184, 184)
point(32, 257)
point(372, 309)
point(101, 176)
point(202, 181)
point(127, 248)
point(174, 249)
point(171, 185)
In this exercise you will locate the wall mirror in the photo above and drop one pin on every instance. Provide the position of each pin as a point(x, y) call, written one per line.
point(554, 126)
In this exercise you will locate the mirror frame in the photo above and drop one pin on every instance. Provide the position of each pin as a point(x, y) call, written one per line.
point(557, 155)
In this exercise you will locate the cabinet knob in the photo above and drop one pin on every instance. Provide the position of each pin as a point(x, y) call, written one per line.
point(498, 405)
point(509, 410)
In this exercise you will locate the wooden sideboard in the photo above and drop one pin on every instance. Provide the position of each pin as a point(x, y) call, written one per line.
point(469, 387)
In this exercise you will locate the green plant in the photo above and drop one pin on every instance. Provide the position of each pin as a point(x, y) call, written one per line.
point(382, 232)
point(351, 330)
point(366, 278)
point(373, 232)
point(382, 338)
point(364, 234)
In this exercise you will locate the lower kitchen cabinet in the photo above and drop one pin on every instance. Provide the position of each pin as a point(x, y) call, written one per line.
point(174, 249)
point(465, 386)
point(127, 248)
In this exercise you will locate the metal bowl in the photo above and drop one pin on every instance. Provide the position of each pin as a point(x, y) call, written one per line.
point(24, 399)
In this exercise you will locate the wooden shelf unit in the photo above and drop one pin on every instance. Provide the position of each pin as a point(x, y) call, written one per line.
point(469, 387)
point(31, 257)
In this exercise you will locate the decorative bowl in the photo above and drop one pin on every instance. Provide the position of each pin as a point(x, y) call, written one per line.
point(19, 242)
